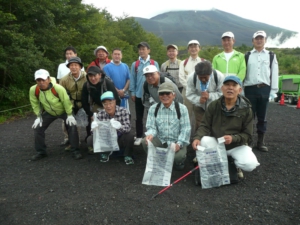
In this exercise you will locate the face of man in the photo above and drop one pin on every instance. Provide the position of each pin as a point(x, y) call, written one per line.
point(144, 52)
point(259, 42)
point(94, 79)
point(75, 69)
point(152, 78)
point(117, 56)
point(43, 84)
point(166, 98)
point(204, 78)
point(231, 90)
point(172, 53)
point(101, 54)
point(70, 54)
point(109, 106)
point(227, 43)
point(193, 50)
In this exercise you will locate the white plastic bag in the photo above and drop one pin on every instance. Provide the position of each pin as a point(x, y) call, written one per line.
point(244, 158)
point(81, 118)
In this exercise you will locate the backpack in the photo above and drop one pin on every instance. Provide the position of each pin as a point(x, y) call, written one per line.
point(215, 76)
point(177, 108)
point(37, 92)
point(162, 80)
point(137, 63)
point(168, 64)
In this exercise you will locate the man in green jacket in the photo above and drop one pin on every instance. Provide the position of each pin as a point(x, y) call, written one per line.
point(49, 102)
point(230, 61)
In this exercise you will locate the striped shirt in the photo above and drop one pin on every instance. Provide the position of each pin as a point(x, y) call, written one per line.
point(166, 125)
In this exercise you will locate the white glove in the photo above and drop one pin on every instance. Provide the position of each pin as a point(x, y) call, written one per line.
point(272, 97)
point(71, 120)
point(115, 124)
point(94, 125)
point(37, 122)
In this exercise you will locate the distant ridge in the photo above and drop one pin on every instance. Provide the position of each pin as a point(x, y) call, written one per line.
point(207, 26)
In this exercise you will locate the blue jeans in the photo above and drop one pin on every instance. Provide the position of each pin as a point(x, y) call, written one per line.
point(259, 98)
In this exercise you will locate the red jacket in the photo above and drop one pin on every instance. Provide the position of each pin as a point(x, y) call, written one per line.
point(97, 63)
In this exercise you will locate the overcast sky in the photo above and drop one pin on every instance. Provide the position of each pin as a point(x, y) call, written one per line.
point(281, 14)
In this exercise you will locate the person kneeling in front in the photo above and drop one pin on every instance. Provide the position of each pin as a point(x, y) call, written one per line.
point(121, 123)
point(168, 122)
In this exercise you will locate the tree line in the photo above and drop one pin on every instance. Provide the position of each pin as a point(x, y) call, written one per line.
point(34, 34)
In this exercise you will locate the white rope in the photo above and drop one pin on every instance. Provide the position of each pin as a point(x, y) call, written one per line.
point(14, 108)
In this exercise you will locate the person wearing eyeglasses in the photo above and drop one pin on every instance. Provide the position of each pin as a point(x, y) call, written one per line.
point(153, 80)
point(168, 122)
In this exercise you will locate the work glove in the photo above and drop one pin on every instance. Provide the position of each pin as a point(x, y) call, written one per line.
point(94, 125)
point(37, 122)
point(272, 97)
point(71, 120)
point(115, 124)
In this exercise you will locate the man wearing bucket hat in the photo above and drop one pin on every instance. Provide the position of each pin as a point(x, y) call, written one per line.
point(230, 61)
point(168, 122)
point(119, 118)
point(102, 57)
point(50, 101)
point(172, 64)
point(73, 84)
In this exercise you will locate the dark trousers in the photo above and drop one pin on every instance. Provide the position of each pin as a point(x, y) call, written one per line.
point(139, 112)
point(39, 133)
point(259, 98)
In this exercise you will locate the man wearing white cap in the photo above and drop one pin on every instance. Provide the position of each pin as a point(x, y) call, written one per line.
point(102, 57)
point(230, 61)
point(153, 81)
point(50, 101)
point(172, 64)
point(261, 83)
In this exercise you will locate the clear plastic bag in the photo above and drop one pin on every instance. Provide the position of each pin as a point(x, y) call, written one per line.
point(81, 118)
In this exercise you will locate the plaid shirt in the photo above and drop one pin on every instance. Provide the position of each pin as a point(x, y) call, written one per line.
point(166, 125)
point(121, 115)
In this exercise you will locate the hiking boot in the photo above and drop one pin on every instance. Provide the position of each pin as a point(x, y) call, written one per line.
point(138, 141)
point(90, 150)
point(65, 142)
point(260, 143)
point(38, 157)
point(240, 173)
point(77, 155)
point(68, 148)
point(104, 157)
point(128, 160)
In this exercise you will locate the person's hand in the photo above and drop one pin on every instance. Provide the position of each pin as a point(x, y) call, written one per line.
point(202, 100)
point(37, 122)
point(133, 98)
point(115, 124)
point(121, 93)
point(94, 125)
point(71, 121)
point(195, 143)
point(149, 138)
point(228, 139)
point(177, 147)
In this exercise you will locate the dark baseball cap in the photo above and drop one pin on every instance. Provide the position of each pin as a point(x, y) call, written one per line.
point(144, 44)
point(93, 70)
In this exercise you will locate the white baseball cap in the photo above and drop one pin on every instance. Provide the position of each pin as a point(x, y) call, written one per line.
point(228, 34)
point(150, 69)
point(41, 73)
point(259, 33)
point(100, 47)
point(193, 42)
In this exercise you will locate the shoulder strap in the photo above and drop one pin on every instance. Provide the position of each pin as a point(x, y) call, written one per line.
point(156, 109)
point(271, 58)
point(37, 92)
point(247, 57)
point(185, 62)
point(216, 77)
point(146, 90)
point(137, 63)
point(195, 79)
point(177, 108)
point(152, 62)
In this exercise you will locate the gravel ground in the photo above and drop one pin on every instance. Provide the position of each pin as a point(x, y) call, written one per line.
point(60, 190)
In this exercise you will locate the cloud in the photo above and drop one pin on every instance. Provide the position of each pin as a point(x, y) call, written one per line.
point(292, 42)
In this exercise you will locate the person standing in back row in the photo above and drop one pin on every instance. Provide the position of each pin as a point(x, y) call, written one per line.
point(137, 80)
point(230, 62)
point(261, 82)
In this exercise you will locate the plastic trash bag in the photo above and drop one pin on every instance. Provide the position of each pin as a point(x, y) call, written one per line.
point(81, 118)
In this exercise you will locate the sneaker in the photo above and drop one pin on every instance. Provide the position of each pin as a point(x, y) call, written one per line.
point(38, 157)
point(128, 160)
point(104, 157)
point(138, 141)
point(90, 150)
point(65, 142)
point(68, 148)
point(77, 155)
point(240, 173)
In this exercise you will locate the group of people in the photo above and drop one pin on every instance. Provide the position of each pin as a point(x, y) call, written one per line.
point(223, 96)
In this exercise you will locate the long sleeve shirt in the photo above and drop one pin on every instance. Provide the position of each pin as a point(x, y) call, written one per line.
point(166, 125)
point(189, 68)
point(137, 78)
point(259, 72)
point(173, 69)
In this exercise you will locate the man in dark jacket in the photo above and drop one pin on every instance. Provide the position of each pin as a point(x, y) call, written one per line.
point(92, 90)
point(229, 117)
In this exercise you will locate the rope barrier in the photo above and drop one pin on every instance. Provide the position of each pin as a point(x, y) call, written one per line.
point(14, 108)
